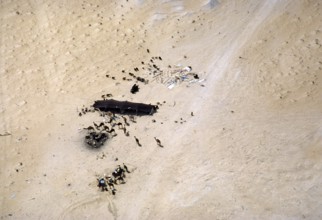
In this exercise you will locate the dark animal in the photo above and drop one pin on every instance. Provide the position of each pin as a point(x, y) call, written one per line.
point(126, 132)
point(126, 169)
point(135, 88)
point(147, 50)
point(119, 174)
point(125, 121)
point(96, 126)
point(112, 131)
point(120, 125)
point(158, 142)
point(110, 183)
point(192, 114)
point(140, 79)
point(137, 141)
point(89, 128)
point(125, 107)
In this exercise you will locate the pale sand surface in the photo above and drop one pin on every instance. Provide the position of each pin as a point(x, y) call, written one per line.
point(252, 150)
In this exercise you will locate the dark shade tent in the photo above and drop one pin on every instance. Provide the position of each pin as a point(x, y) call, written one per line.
point(125, 107)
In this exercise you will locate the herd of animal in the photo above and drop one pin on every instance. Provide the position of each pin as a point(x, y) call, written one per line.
point(107, 183)
point(118, 116)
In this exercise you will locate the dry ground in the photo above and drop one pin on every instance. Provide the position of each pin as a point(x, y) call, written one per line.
point(252, 150)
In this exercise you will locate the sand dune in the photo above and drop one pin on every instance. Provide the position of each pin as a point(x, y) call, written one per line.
point(251, 150)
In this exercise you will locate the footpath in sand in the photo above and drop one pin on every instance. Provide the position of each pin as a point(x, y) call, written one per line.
point(251, 150)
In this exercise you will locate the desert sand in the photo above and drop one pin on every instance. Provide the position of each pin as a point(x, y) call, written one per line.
point(251, 150)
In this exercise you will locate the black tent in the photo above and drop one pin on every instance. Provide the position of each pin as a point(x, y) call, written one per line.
point(125, 107)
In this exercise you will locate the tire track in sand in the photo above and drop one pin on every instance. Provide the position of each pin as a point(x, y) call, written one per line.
point(81, 204)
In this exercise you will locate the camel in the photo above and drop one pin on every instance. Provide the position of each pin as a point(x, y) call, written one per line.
point(96, 126)
point(106, 128)
point(158, 142)
point(110, 183)
point(125, 121)
point(119, 174)
point(90, 128)
point(120, 125)
point(125, 132)
point(126, 169)
point(137, 141)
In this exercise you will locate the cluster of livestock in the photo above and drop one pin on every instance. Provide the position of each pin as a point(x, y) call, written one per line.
point(98, 134)
point(117, 115)
point(107, 183)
